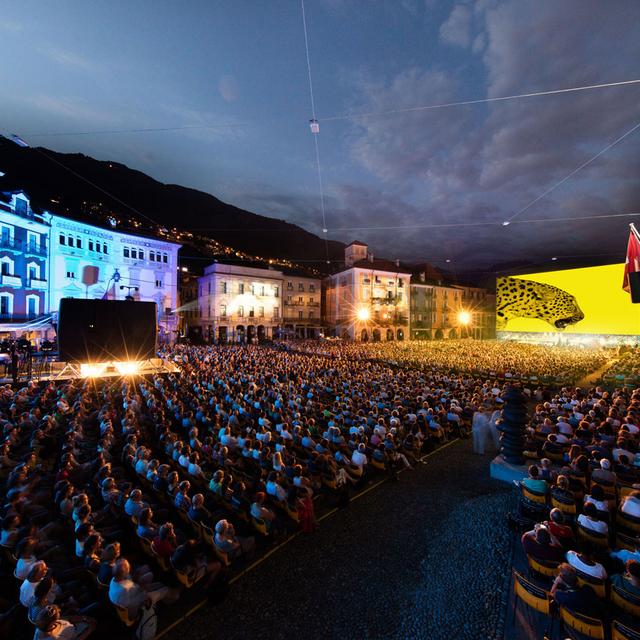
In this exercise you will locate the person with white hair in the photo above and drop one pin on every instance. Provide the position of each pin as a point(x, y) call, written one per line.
point(604, 475)
point(359, 456)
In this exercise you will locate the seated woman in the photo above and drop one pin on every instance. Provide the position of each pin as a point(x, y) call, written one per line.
point(50, 625)
point(165, 543)
point(598, 498)
point(182, 499)
point(234, 546)
point(188, 559)
point(559, 530)
point(261, 512)
point(215, 484)
point(561, 492)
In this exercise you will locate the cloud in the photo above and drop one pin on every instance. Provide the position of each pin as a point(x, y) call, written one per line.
point(456, 30)
point(11, 26)
point(228, 88)
point(72, 109)
point(486, 162)
point(68, 59)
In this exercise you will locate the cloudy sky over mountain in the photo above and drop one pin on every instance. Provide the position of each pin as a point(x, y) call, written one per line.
point(99, 67)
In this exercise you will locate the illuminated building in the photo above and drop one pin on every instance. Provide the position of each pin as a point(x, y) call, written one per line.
point(91, 262)
point(301, 306)
point(444, 311)
point(369, 298)
point(238, 303)
point(46, 257)
point(24, 253)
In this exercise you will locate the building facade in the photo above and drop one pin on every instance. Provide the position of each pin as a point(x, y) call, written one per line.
point(239, 304)
point(24, 256)
point(301, 306)
point(441, 311)
point(91, 262)
point(369, 299)
point(246, 304)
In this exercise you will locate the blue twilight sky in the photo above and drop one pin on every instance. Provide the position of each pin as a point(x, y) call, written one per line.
point(98, 65)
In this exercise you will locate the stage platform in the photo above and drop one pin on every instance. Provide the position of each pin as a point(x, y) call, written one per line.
point(56, 371)
point(505, 472)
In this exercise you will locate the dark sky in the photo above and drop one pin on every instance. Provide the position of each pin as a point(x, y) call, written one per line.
point(103, 66)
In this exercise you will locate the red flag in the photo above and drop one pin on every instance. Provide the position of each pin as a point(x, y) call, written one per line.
point(632, 263)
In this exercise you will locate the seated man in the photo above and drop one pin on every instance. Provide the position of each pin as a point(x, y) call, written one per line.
point(533, 482)
point(629, 581)
point(195, 565)
point(134, 504)
point(590, 520)
point(124, 592)
point(198, 512)
point(539, 545)
point(584, 562)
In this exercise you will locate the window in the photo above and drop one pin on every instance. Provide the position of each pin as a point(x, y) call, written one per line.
point(310, 315)
point(6, 268)
point(300, 315)
point(300, 300)
point(276, 312)
point(241, 311)
point(261, 312)
point(125, 252)
point(33, 271)
point(300, 286)
point(79, 243)
point(158, 284)
point(311, 299)
point(71, 274)
point(98, 247)
point(209, 287)
point(33, 241)
point(312, 288)
point(276, 291)
point(164, 258)
point(140, 254)
point(262, 290)
point(104, 248)
point(152, 256)
point(70, 241)
point(241, 287)
point(5, 304)
point(223, 310)
point(289, 285)
point(63, 240)
point(289, 298)
point(223, 287)
point(90, 245)
point(252, 312)
point(32, 306)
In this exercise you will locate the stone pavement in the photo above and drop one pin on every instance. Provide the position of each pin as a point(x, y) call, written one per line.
point(428, 556)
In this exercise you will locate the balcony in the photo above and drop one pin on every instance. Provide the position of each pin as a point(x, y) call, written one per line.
point(313, 304)
point(34, 249)
point(36, 283)
point(10, 280)
point(18, 317)
point(10, 244)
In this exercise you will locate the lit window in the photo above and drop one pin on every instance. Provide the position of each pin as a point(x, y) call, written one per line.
point(240, 311)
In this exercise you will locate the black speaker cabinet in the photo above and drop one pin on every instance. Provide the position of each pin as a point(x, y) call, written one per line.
point(106, 330)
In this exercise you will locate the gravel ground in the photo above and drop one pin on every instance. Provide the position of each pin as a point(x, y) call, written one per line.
point(425, 557)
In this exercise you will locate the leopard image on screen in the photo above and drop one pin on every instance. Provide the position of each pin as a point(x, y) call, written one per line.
point(518, 298)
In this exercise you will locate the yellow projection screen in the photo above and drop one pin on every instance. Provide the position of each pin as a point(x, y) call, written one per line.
point(587, 301)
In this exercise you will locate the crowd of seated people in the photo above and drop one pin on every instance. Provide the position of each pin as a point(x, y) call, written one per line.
point(561, 364)
point(583, 492)
point(120, 494)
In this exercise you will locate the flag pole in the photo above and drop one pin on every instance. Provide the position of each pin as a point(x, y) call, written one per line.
point(635, 232)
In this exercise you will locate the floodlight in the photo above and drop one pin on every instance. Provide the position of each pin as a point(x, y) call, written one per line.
point(464, 317)
point(363, 314)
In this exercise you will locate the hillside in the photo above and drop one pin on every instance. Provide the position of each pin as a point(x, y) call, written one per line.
point(59, 188)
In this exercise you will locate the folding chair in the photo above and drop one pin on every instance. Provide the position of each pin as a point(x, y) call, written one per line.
point(589, 627)
point(627, 602)
point(621, 631)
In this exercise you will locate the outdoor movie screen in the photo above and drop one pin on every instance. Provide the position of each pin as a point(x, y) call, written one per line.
point(584, 301)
